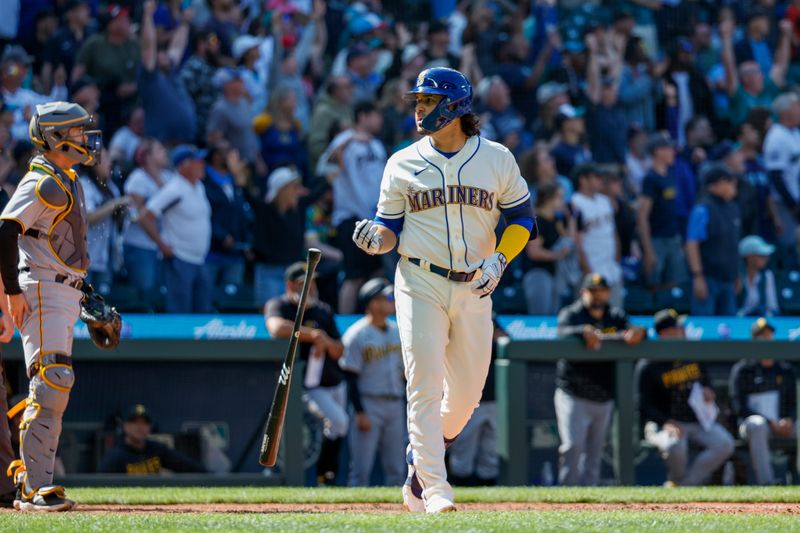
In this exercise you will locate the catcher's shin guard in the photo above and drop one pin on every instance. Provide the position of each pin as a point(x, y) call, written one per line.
point(41, 424)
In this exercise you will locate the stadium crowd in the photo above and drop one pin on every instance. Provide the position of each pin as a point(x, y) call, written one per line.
point(660, 139)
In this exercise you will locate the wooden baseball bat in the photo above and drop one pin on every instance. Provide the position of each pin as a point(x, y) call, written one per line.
point(277, 412)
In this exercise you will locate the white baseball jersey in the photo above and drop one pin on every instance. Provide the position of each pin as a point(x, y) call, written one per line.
point(596, 222)
point(451, 205)
point(782, 152)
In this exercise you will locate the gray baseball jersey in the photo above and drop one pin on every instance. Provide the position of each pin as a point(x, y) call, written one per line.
point(376, 357)
point(50, 200)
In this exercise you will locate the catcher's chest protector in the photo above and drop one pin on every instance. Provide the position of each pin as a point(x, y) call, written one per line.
point(67, 233)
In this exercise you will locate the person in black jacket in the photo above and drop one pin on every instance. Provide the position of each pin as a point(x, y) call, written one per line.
point(584, 397)
point(231, 217)
point(135, 454)
point(669, 420)
point(764, 398)
point(321, 348)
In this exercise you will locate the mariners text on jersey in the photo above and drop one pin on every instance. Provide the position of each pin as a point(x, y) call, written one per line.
point(420, 200)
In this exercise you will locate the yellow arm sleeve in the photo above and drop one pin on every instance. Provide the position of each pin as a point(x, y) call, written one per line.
point(513, 241)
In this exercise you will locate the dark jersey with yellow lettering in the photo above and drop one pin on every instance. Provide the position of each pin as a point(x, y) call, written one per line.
point(590, 380)
point(124, 459)
point(664, 389)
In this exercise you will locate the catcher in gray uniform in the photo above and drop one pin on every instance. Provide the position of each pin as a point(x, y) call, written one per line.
point(43, 260)
point(373, 367)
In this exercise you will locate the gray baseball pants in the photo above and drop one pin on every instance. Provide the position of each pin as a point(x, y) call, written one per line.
point(583, 429)
point(387, 417)
point(756, 431)
point(475, 449)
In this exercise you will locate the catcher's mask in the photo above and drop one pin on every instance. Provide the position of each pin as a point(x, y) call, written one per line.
point(49, 130)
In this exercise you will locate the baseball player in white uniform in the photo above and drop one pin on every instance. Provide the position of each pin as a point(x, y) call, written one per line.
point(441, 199)
point(43, 260)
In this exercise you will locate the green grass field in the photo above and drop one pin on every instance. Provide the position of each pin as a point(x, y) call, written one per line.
point(617, 519)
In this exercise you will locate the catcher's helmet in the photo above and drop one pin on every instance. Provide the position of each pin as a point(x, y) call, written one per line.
point(49, 127)
point(456, 95)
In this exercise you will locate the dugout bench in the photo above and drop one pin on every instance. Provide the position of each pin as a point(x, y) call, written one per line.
point(514, 441)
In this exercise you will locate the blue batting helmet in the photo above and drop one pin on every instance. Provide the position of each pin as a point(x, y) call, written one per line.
point(456, 95)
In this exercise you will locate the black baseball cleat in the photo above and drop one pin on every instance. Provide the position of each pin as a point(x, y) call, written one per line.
point(50, 498)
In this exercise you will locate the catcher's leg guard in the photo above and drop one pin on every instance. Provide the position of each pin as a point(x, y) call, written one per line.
point(41, 425)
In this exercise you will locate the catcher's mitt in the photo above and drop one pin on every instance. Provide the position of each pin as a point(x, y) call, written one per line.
point(103, 321)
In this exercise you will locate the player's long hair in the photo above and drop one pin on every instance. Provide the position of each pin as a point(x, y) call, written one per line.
point(471, 124)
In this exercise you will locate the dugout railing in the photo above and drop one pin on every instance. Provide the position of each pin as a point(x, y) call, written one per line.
point(514, 438)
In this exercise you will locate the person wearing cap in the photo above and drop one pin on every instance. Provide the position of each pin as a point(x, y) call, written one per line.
point(230, 118)
point(763, 395)
point(550, 97)
point(596, 239)
point(571, 149)
point(253, 64)
point(197, 75)
point(584, 397)
point(712, 241)
point(320, 348)
point(760, 296)
point(278, 230)
point(659, 229)
point(669, 420)
point(692, 93)
point(185, 234)
point(63, 46)
point(781, 145)
point(141, 257)
point(136, 454)
point(14, 65)
point(373, 368)
point(755, 43)
point(112, 58)
point(167, 105)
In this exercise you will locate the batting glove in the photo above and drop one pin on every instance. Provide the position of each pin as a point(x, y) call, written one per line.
point(492, 269)
point(366, 236)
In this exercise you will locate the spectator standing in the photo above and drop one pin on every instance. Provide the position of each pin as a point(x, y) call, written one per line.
point(760, 296)
point(699, 138)
point(63, 46)
point(373, 368)
point(254, 68)
point(747, 85)
point(606, 121)
point(550, 96)
point(782, 159)
point(691, 88)
point(712, 240)
point(185, 235)
point(230, 118)
point(85, 93)
point(112, 59)
point(14, 65)
point(231, 217)
point(500, 121)
point(168, 108)
point(396, 111)
point(750, 142)
point(570, 149)
point(638, 88)
point(137, 455)
point(197, 75)
point(106, 214)
point(624, 213)
point(754, 45)
point(280, 133)
point(360, 70)
point(126, 140)
point(584, 397)
point(141, 253)
point(670, 420)
point(539, 169)
point(764, 398)
point(637, 162)
point(223, 22)
point(659, 230)
point(596, 238)
point(320, 348)
point(279, 230)
point(437, 53)
point(334, 106)
point(361, 158)
point(541, 282)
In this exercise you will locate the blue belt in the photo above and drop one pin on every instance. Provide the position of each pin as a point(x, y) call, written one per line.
point(452, 275)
